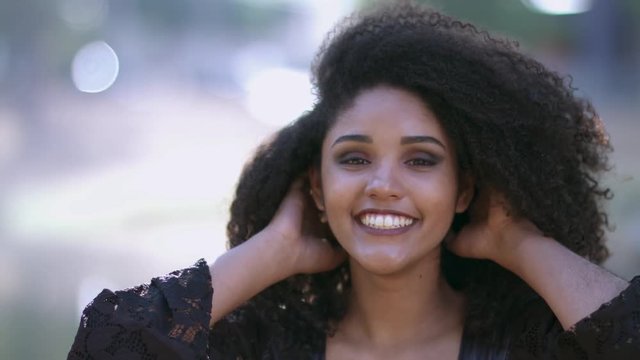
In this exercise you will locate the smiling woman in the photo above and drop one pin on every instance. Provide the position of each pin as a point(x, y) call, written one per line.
point(440, 201)
point(386, 160)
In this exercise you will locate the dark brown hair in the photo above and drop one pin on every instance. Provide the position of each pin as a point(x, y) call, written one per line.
point(517, 127)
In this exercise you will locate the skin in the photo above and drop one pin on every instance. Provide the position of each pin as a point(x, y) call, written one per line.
point(388, 154)
point(401, 271)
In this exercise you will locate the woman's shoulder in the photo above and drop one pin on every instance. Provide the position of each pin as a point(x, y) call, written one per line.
point(611, 332)
point(165, 319)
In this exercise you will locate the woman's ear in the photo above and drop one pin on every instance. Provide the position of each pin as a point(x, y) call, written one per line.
point(315, 184)
point(466, 191)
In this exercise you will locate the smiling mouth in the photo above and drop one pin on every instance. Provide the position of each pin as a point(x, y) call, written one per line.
point(385, 221)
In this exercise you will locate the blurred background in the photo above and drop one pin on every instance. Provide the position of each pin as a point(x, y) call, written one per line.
point(124, 125)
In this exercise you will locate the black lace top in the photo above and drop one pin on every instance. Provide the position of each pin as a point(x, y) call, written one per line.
point(169, 319)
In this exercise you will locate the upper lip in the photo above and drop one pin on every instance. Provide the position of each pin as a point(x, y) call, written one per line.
point(384, 212)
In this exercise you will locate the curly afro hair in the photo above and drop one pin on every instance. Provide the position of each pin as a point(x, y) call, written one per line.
point(517, 128)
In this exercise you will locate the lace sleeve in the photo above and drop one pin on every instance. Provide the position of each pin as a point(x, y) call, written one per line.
point(612, 332)
point(166, 319)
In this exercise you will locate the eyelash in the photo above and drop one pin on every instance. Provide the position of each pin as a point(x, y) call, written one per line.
point(422, 161)
point(417, 162)
point(354, 160)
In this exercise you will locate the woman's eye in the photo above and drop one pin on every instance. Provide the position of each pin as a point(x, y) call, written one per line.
point(421, 162)
point(354, 161)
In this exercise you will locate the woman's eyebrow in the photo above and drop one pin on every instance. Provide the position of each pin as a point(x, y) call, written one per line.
point(357, 138)
point(406, 140)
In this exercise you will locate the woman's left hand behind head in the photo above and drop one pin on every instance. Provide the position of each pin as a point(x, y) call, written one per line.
point(493, 231)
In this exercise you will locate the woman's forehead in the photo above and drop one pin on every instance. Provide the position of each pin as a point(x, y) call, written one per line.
point(388, 109)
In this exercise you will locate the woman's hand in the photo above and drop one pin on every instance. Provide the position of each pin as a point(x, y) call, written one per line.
point(291, 244)
point(296, 228)
point(572, 286)
point(492, 233)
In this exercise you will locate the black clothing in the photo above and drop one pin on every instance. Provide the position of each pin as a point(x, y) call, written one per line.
point(169, 319)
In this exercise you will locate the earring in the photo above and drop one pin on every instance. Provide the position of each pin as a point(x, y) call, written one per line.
point(323, 217)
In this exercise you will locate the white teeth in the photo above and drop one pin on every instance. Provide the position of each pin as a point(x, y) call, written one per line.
point(379, 221)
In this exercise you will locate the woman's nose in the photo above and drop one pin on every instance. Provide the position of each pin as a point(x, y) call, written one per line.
point(384, 184)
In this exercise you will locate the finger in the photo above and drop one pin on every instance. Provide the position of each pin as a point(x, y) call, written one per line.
point(294, 199)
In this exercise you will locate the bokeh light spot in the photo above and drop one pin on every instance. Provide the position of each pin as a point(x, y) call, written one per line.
point(559, 7)
point(278, 96)
point(95, 67)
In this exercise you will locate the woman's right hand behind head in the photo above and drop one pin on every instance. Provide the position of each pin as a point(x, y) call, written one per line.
point(297, 230)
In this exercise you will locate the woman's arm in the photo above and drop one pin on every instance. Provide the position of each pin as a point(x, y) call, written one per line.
point(572, 286)
point(170, 317)
point(245, 270)
point(291, 244)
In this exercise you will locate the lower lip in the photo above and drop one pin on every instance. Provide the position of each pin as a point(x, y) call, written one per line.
point(385, 232)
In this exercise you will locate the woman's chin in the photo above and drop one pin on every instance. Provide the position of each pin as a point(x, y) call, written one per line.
point(381, 263)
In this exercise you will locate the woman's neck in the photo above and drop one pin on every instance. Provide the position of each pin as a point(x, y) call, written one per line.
point(416, 306)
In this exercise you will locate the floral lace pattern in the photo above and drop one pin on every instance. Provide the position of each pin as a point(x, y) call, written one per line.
point(610, 333)
point(169, 319)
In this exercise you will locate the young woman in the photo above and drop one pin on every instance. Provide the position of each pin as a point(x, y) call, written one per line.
point(440, 201)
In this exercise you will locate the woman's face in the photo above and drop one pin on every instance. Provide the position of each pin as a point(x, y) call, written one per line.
point(388, 181)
